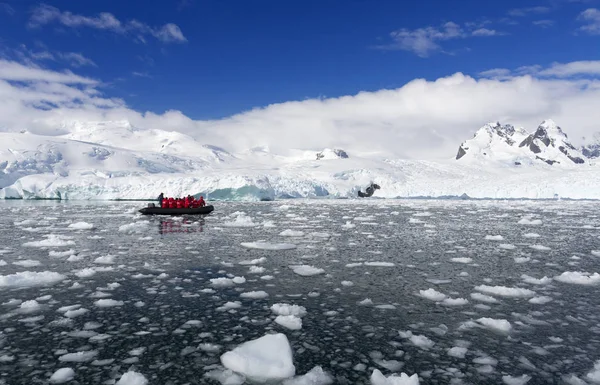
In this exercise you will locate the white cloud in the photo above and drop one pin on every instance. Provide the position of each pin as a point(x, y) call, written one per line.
point(422, 119)
point(47, 14)
point(592, 17)
point(425, 41)
point(521, 12)
point(590, 67)
point(486, 32)
point(543, 23)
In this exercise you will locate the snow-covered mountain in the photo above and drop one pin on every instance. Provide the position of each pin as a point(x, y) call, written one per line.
point(592, 150)
point(115, 160)
point(495, 142)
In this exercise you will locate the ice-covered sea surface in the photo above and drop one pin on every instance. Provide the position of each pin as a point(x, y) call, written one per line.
point(350, 292)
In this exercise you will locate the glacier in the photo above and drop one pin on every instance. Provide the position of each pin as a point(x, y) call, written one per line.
point(113, 160)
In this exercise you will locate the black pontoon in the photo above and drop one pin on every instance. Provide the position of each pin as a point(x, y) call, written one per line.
point(153, 210)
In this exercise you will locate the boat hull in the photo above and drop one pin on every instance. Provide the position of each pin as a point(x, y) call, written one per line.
point(167, 211)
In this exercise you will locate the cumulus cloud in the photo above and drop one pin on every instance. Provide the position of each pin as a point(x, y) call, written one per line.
point(422, 119)
point(592, 17)
point(46, 14)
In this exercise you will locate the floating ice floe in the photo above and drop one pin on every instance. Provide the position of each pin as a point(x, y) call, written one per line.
point(265, 359)
point(306, 270)
point(52, 240)
point(287, 309)
point(268, 246)
point(239, 219)
point(62, 375)
point(291, 321)
point(521, 380)
point(253, 261)
point(534, 281)
point(504, 291)
point(291, 233)
point(316, 376)
point(254, 294)
point(498, 325)
point(81, 226)
point(132, 378)
point(108, 303)
point(494, 237)
point(79, 356)
point(30, 279)
point(432, 295)
point(578, 278)
point(462, 260)
point(377, 378)
point(530, 222)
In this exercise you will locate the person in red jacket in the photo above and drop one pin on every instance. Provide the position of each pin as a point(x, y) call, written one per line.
point(186, 203)
point(171, 203)
point(201, 202)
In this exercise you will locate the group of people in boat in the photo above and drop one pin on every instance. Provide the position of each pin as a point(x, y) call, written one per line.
point(180, 203)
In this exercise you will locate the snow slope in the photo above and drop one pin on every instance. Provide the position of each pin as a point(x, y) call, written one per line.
point(114, 160)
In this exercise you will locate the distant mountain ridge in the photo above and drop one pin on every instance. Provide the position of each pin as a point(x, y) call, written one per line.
point(505, 143)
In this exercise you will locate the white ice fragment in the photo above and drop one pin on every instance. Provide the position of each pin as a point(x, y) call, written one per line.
point(287, 309)
point(494, 237)
point(540, 300)
point(316, 376)
point(457, 351)
point(30, 279)
point(504, 291)
point(79, 356)
point(432, 294)
point(132, 378)
point(454, 301)
point(483, 298)
point(377, 378)
point(62, 375)
point(255, 294)
point(521, 380)
point(268, 246)
point(462, 260)
point(498, 325)
point(108, 303)
point(530, 222)
point(306, 270)
point(579, 278)
point(268, 358)
point(534, 281)
point(81, 226)
point(291, 322)
point(291, 233)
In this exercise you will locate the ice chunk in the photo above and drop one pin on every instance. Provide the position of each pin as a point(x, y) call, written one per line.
point(266, 359)
point(316, 376)
point(268, 246)
point(483, 298)
point(494, 237)
point(379, 264)
point(286, 309)
point(255, 294)
point(52, 240)
point(79, 356)
point(521, 380)
point(534, 281)
point(291, 233)
point(530, 222)
point(253, 261)
point(540, 300)
point(457, 351)
point(62, 375)
point(30, 279)
point(377, 378)
point(108, 303)
point(225, 377)
point(132, 378)
point(462, 260)
point(498, 325)
point(432, 294)
point(306, 270)
point(454, 301)
point(504, 291)
point(81, 226)
point(578, 278)
point(291, 322)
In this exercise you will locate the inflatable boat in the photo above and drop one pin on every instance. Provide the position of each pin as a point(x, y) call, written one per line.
point(153, 210)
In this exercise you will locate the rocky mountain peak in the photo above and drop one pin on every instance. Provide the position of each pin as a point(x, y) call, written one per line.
point(549, 134)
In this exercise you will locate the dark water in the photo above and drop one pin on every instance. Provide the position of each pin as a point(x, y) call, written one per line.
point(160, 269)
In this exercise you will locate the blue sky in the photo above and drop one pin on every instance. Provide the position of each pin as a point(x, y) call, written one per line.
point(212, 59)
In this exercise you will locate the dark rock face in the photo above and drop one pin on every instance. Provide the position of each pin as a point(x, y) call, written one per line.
point(591, 151)
point(339, 153)
point(461, 153)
